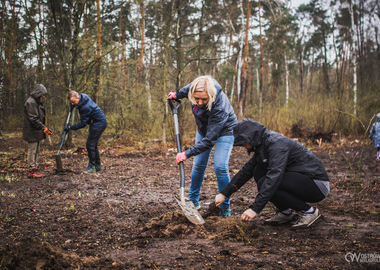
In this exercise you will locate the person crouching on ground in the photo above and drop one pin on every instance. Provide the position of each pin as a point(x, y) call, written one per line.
point(215, 119)
point(374, 135)
point(90, 114)
point(34, 129)
point(286, 173)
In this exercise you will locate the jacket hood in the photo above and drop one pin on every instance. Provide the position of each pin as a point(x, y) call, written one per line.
point(378, 117)
point(83, 100)
point(217, 86)
point(249, 131)
point(38, 91)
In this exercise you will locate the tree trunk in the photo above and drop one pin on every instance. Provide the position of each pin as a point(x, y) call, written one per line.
point(98, 52)
point(245, 67)
point(301, 68)
point(200, 33)
point(178, 46)
point(11, 95)
point(354, 57)
point(166, 40)
point(311, 73)
point(2, 96)
point(286, 79)
point(261, 67)
point(142, 6)
point(239, 61)
point(120, 75)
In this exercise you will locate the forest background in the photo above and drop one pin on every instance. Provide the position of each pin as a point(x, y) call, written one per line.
point(316, 66)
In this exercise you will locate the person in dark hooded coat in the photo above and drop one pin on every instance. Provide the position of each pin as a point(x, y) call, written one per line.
point(287, 174)
point(215, 119)
point(374, 135)
point(90, 114)
point(34, 129)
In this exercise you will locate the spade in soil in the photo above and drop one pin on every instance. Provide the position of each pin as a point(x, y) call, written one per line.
point(58, 159)
point(187, 207)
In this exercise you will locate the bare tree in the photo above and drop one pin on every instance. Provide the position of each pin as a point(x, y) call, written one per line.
point(354, 57)
point(261, 66)
point(245, 68)
point(98, 51)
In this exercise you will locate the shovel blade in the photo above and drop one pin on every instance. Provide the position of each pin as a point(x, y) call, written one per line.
point(59, 163)
point(190, 212)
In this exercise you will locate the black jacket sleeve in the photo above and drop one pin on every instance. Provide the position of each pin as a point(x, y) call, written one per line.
point(278, 154)
point(240, 178)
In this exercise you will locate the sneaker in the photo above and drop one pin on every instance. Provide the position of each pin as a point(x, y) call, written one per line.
point(225, 212)
point(98, 167)
point(280, 218)
point(196, 205)
point(307, 219)
point(34, 173)
point(90, 169)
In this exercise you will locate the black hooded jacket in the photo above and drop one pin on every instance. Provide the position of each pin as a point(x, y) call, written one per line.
point(34, 115)
point(275, 153)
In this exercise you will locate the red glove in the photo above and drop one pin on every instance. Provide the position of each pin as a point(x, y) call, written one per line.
point(172, 95)
point(180, 157)
point(47, 131)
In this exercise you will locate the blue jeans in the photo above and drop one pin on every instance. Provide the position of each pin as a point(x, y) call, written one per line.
point(223, 148)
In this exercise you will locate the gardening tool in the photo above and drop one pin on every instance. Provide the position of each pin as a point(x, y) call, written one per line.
point(63, 139)
point(187, 207)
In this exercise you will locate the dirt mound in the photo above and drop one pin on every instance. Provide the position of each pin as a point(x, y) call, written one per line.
point(175, 225)
point(35, 254)
point(171, 224)
point(230, 228)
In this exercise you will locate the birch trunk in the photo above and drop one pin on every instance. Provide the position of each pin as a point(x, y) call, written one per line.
point(354, 58)
point(286, 80)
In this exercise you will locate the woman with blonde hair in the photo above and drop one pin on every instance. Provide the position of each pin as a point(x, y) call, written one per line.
point(215, 119)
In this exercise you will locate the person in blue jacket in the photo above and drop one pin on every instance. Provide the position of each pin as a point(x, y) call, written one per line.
point(374, 135)
point(215, 119)
point(90, 114)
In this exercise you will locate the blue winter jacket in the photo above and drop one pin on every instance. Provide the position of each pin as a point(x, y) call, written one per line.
point(217, 122)
point(90, 114)
point(374, 134)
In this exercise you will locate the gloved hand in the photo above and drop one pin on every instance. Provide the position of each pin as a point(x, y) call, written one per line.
point(172, 95)
point(180, 157)
point(47, 131)
point(66, 128)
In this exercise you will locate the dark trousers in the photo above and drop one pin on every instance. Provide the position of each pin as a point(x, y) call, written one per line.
point(92, 145)
point(295, 191)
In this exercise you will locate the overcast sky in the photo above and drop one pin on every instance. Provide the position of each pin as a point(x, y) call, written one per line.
point(296, 3)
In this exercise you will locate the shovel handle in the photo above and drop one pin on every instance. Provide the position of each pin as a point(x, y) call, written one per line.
point(174, 107)
point(69, 115)
point(64, 133)
point(178, 139)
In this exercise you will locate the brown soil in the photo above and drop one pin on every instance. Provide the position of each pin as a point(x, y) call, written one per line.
point(126, 216)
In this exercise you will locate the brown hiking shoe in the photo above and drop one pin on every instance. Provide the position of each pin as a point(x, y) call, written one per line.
point(34, 173)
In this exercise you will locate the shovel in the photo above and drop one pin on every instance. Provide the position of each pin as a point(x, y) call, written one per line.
point(187, 207)
point(63, 139)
